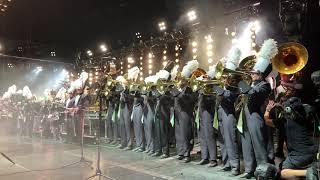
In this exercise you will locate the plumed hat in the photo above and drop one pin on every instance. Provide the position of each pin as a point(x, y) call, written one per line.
point(233, 58)
point(133, 73)
point(189, 68)
point(269, 50)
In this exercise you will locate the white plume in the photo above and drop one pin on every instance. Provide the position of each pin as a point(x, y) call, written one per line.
point(6, 95)
point(78, 84)
point(212, 71)
point(121, 79)
point(61, 94)
point(151, 79)
point(133, 73)
point(163, 74)
point(84, 76)
point(12, 89)
point(233, 58)
point(174, 72)
point(26, 92)
point(189, 68)
point(268, 50)
point(71, 88)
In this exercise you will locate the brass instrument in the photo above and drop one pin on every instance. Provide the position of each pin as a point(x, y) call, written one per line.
point(222, 73)
point(163, 86)
point(205, 85)
point(291, 58)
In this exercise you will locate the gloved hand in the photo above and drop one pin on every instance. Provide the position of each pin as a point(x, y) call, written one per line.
point(218, 90)
point(244, 87)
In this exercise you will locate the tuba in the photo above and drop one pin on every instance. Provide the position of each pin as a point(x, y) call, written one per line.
point(291, 58)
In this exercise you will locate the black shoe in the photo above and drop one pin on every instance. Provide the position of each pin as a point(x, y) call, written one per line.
point(247, 176)
point(121, 147)
point(128, 148)
point(235, 172)
point(150, 153)
point(213, 164)
point(180, 157)
point(164, 156)
point(203, 162)
point(187, 159)
point(135, 149)
point(226, 168)
point(156, 154)
point(140, 150)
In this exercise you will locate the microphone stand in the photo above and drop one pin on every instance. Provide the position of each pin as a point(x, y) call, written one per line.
point(82, 158)
point(98, 170)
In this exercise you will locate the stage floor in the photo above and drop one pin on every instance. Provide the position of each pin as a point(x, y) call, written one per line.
point(34, 154)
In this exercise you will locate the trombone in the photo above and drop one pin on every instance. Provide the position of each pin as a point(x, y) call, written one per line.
point(205, 85)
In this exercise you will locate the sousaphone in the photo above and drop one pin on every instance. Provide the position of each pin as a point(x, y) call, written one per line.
point(291, 58)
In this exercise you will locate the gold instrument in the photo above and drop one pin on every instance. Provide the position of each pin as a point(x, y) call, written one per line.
point(163, 86)
point(291, 58)
point(223, 73)
point(205, 85)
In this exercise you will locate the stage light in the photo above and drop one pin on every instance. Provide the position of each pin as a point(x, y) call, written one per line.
point(141, 57)
point(226, 31)
point(130, 60)
point(164, 52)
point(90, 78)
point(164, 57)
point(162, 26)
point(194, 50)
point(176, 48)
point(177, 60)
point(177, 54)
point(90, 74)
point(150, 61)
point(141, 73)
point(192, 15)
point(150, 55)
point(150, 72)
point(164, 63)
point(210, 60)
point(89, 52)
point(253, 44)
point(194, 57)
point(233, 34)
point(121, 63)
point(39, 69)
point(103, 47)
point(141, 78)
point(209, 47)
point(194, 44)
point(121, 72)
point(210, 53)
point(97, 73)
point(129, 66)
point(150, 66)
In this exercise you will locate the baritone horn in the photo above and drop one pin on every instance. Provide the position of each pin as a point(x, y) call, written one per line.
point(291, 58)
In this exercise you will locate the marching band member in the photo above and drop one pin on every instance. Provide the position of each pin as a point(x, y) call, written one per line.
point(111, 101)
point(207, 135)
point(162, 114)
point(254, 141)
point(150, 100)
point(136, 116)
point(126, 110)
point(227, 115)
point(183, 107)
